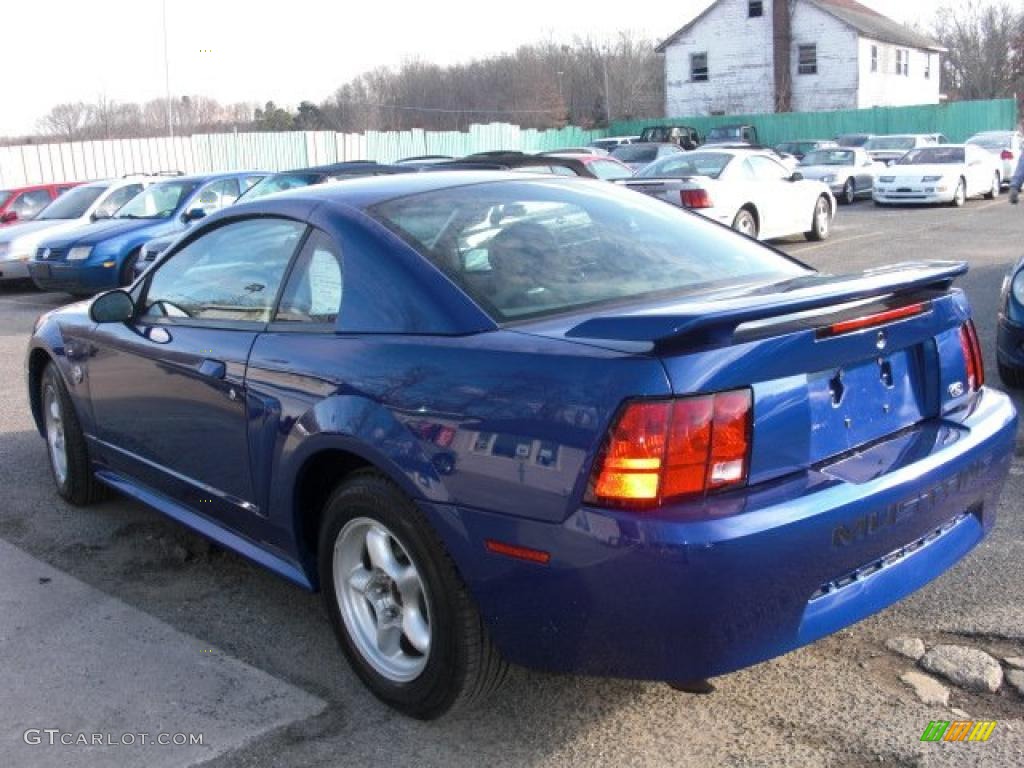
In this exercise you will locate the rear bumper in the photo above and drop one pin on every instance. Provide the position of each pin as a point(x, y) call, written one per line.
point(786, 563)
point(1010, 343)
point(73, 278)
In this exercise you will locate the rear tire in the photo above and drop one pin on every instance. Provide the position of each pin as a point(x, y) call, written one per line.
point(65, 442)
point(745, 223)
point(1011, 376)
point(820, 221)
point(997, 186)
point(416, 641)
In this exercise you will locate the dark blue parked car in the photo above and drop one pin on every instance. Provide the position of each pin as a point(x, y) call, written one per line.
point(498, 418)
point(102, 255)
point(1010, 336)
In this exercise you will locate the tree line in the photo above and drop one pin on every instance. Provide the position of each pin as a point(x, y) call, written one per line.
point(587, 83)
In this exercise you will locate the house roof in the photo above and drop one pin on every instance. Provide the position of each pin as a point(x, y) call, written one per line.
point(867, 22)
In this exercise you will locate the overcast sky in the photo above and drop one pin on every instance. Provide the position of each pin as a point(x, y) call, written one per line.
point(285, 50)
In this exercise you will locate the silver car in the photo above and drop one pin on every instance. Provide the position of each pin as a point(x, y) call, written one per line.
point(888, 149)
point(849, 173)
point(1007, 145)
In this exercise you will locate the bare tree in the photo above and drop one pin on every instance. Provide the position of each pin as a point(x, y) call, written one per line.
point(984, 58)
point(67, 122)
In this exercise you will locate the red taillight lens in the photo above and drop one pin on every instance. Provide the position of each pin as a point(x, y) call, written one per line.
point(1006, 155)
point(670, 448)
point(695, 198)
point(870, 321)
point(972, 356)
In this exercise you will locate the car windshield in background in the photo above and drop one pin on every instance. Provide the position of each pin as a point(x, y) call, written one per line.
point(72, 204)
point(634, 153)
point(689, 164)
point(991, 142)
point(933, 156)
point(725, 134)
point(828, 157)
point(280, 183)
point(540, 248)
point(4, 197)
point(159, 201)
point(889, 142)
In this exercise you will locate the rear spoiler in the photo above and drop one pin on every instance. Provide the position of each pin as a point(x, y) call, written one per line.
point(703, 322)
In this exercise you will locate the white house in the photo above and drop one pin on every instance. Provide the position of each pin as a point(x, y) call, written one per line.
point(755, 56)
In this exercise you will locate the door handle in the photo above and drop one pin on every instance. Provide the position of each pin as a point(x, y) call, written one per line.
point(213, 369)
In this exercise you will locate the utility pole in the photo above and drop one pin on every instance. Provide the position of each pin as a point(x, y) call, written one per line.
point(167, 76)
point(607, 92)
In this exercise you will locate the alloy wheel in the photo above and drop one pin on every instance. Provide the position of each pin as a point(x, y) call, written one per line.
point(53, 418)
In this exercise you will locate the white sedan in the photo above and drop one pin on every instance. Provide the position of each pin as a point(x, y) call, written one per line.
point(748, 190)
point(944, 173)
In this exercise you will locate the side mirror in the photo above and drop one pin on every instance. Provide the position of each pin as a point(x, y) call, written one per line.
point(8, 217)
point(112, 307)
point(797, 176)
point(194, 214)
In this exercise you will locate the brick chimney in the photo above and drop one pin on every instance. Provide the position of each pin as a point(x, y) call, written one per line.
point(782, 48)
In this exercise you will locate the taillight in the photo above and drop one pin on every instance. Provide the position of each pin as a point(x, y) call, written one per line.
point(870, 321)
point(664, 449)
point(972, 356)
point(1006, 155)
point(695, 198)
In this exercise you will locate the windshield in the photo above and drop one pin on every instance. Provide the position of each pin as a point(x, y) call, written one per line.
point(159, 201)
point(281, 182)
point(933, 156)
point(532, 248)
point(635, 153)
point(709, 164)
point(4, 197)
point(889, 142)
point(605, 143)
point(828, 157)
point(72, 204)
point(852, 140)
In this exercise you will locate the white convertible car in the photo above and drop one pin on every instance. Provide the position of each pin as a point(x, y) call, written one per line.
point(748, 190)
point(944, 173)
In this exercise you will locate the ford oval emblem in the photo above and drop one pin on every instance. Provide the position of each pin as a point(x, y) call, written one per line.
point(881, 341)
point(956, 389)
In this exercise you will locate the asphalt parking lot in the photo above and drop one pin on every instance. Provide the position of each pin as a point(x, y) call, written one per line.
point(285, 697)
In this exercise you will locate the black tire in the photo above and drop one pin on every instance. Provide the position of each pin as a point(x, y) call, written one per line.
point(126, 276)
point(849, 192)
point(746, 223)
point(997, 186)
point(820, 220)
point(462, 665)
point(960, 196)
point(79, 485)
point(1011, 376)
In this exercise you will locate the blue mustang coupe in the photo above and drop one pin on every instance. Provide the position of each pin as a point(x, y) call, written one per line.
point(496, 418)
point(1010, 336)
point(102, 255)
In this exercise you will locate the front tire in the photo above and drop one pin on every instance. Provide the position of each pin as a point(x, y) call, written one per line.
point(960, 196)
point(820, 221)
point(127, 274)
point(401, 613)
point(65, 442)
point(849, 192)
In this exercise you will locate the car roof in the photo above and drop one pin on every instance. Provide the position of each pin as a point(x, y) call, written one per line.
point(33, 187)
point(205, 177)
point(371, 190)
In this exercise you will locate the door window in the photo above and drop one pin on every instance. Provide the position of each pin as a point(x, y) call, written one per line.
point(766, 169)
point(314, 289)
point(116, 199)
point(231, 273)
point(217, 195)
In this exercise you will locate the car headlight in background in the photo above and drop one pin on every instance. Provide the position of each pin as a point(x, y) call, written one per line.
point(80, 253)
point(927, 179)
point(1018, 287)
point(887, 179)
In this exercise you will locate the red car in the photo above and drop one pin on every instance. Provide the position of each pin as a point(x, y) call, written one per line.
point(22, 203)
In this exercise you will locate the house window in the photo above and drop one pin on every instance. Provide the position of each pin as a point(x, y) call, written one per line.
point(902, 62)
point(874, 58)
point(698, 67)
point(927, 66)
point(808, 60)
point(755, 8)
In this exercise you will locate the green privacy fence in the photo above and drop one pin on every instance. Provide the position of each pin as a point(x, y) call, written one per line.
point(958, 120)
